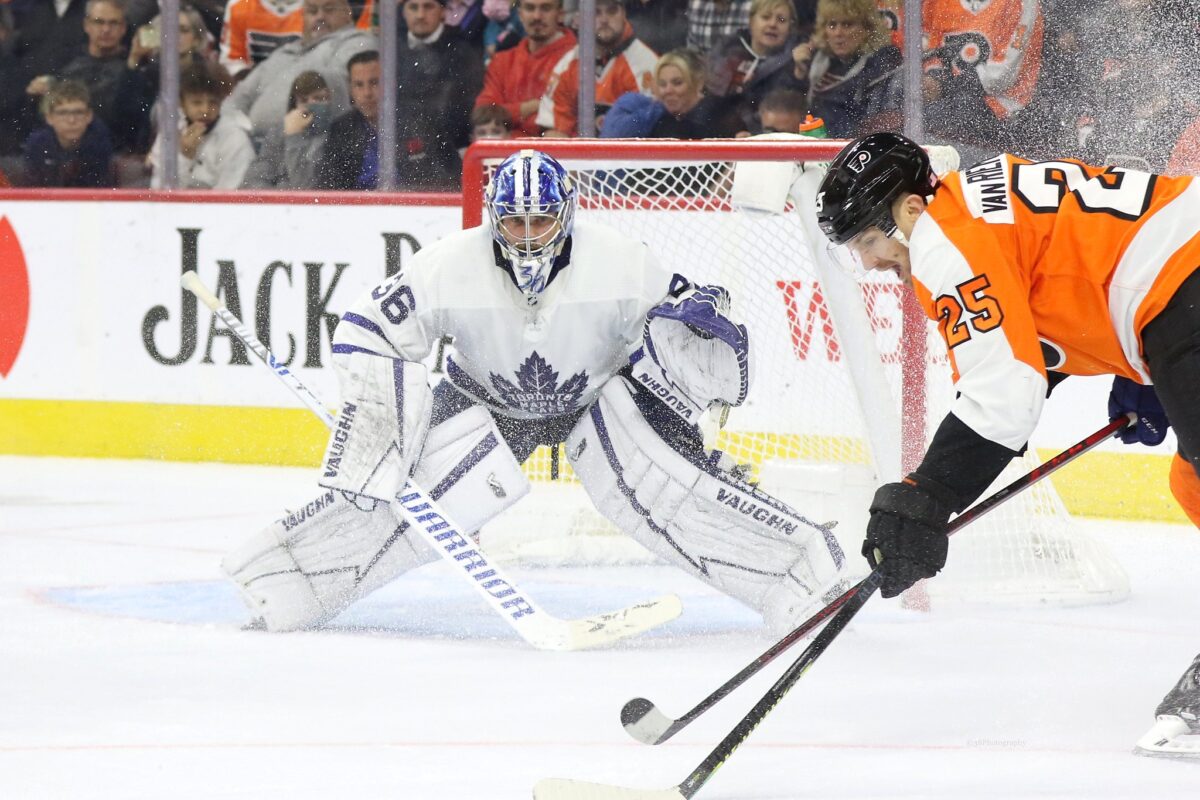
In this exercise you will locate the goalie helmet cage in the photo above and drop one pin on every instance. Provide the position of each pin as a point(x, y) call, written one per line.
point(849, 379)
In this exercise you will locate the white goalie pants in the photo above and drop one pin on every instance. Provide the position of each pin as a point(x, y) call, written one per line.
point(692, 514)
point(308, 566)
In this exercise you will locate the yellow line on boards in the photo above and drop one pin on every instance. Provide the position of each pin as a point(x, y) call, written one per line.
point(1117, 485)
point(233, 434)
point(1105, 484)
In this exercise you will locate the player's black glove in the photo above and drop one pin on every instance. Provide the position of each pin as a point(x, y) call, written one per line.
point(1128, 397)
point(906, 535)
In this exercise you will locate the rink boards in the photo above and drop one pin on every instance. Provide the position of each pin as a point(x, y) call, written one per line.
point(103, 355)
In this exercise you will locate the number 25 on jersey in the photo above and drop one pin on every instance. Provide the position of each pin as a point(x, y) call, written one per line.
point(983, 310)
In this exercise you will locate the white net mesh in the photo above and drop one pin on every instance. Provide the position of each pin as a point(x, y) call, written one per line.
point(804, 428)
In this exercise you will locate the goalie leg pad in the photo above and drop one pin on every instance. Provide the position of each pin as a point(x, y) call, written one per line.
point(381, 428)
point(305, 567)
point(699, 517)
point(310, 565)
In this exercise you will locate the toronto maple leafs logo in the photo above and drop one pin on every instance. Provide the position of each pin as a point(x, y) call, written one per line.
point(537, 390)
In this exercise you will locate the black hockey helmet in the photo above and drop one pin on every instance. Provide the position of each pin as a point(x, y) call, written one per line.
point(863, 181)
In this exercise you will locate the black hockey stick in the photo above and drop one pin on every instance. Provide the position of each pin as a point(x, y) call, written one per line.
point(556, 789)
point(643, 720)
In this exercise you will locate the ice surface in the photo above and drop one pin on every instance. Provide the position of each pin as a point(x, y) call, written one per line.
point(124, 674)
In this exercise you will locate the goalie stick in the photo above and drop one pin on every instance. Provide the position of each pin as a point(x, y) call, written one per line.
point(423, 513)
point(847, 606)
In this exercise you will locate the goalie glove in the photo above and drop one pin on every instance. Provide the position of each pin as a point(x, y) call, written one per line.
point(699, 349)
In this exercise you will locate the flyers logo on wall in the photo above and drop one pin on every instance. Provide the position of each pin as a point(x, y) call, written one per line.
point(14, 297)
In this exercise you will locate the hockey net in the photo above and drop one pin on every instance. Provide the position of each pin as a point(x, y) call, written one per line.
point(849, 379)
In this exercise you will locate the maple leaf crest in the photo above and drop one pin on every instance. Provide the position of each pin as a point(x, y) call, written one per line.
point(537, 389)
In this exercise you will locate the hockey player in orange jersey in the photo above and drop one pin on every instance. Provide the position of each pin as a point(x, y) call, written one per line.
point(253, 29)
point(1033, 271)
point(1000, 39)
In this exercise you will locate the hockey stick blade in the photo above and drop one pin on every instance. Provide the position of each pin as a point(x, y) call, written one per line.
point(605, 629)
point(557, 789)
point(539, 628)
point(643, 720)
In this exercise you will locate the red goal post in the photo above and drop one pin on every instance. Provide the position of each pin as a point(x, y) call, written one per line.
point(849, 377)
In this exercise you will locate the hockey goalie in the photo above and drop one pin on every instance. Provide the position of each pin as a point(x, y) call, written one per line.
point(563, 331)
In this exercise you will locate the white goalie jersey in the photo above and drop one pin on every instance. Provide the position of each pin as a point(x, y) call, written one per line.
point(523, 361)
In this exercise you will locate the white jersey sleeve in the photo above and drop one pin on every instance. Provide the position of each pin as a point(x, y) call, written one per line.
point(386, 322)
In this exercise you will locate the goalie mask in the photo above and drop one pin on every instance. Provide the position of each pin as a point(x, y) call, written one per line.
point(531, 204)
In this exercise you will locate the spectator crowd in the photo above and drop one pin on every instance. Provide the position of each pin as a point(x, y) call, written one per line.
point(286, 94)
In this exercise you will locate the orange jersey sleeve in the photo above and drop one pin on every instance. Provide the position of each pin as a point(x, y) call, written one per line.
point(1000, 39)
point(366, 16)
point(629, 70)
point(1027, 266)
point(254, 28)
point(557, 109)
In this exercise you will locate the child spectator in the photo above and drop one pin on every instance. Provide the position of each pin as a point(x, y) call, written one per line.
point(289, 156)
point(42, 38)
point(350, 158)
point(73, 149)
point(214, 146)
point(491, 122)
point(782, 111)
point(118, 94)
point(328, 41)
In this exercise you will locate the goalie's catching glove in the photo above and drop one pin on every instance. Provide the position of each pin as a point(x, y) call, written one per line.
point(699, 347)
point(906, 535)
point(1127, 397)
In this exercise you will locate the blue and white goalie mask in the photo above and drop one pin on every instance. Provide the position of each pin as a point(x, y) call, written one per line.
point(531, 204)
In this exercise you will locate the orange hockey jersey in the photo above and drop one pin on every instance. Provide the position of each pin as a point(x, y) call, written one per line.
point(1000, 39)
point(630, 69)
point(254, 28)
point(1053, 265)
point(516, 75)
